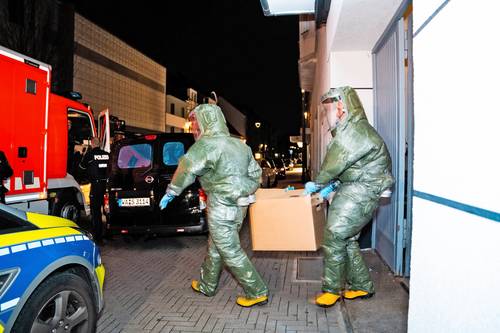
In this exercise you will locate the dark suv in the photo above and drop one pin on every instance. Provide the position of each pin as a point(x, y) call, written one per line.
point(140, 170)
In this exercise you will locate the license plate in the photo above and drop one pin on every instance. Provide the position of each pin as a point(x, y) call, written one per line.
point(133, 202)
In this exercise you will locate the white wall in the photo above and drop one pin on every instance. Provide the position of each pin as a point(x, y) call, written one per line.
point(354, 68)
point(180, 106)
point(455, 268)
point(455, 271)
point(175, 122)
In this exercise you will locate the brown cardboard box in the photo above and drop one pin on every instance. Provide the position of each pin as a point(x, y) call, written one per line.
point(286, 221)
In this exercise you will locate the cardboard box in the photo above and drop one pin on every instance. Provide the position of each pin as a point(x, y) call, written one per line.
point(286, 221)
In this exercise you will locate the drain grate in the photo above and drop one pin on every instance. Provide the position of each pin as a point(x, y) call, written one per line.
point(308, 269)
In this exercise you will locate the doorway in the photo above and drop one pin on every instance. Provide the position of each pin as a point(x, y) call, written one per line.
point(393, 119)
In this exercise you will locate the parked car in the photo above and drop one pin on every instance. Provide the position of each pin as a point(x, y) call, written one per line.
point(269, 176)
point(140, 170)
point(51, 275)
point(279, 165)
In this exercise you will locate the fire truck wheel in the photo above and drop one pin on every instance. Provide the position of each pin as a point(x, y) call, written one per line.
point(67, 208)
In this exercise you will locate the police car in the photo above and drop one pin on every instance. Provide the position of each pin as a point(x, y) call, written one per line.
point(51, 275)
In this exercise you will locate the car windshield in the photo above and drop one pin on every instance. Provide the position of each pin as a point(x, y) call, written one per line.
point(135, 156)
point(172, 151)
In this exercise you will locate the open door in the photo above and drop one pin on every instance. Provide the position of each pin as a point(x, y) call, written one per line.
point(104, 130)
point(390, 122)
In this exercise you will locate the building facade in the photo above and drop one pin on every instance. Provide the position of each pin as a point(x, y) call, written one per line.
point(111, 74)
point(411, 66)
point(176, 115)
point(234, 117)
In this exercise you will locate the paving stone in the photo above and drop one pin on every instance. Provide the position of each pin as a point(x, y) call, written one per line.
point(147, 289)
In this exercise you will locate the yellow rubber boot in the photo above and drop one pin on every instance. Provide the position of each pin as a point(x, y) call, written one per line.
point(352, 294)
point(195, 285)
point(327, 299)
point(248, 302)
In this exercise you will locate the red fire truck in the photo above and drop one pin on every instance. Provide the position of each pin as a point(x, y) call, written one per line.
point(35, 135)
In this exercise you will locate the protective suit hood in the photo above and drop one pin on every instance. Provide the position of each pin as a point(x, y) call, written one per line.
point(352, 105)
point(211, 120)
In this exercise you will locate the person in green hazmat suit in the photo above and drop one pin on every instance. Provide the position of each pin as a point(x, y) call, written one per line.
point(229, 175)
point(358, 166)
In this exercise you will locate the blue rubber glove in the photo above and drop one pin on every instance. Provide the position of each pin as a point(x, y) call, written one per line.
point(325, 191)
point(310, 187)
point(167, 198)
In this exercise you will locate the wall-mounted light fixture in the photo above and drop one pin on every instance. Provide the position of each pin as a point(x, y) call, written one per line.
point(287, 7)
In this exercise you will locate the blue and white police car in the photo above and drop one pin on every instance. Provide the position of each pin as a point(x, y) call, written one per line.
point(51, 275)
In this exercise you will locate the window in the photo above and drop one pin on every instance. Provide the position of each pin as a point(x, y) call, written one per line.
point(12, 223)
point(79, 126)
point(8, 223)
point(172, 108)
point(172, 129)
point(135, 156)
point(31, 86)
point(183, 113)
point(172, 151)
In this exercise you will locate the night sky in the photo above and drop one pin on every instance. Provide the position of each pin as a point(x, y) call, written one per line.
point(224, 45)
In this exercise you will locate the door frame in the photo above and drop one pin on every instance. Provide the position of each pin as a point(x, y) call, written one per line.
point(402, 243)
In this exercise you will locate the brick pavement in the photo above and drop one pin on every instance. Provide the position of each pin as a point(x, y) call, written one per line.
point(147, 289)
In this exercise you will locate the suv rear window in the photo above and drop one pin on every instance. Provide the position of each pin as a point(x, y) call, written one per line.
point(172, 151)
point(135, 156)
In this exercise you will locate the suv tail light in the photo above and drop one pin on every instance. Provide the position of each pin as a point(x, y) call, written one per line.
point(106, 203)
point(203, 198)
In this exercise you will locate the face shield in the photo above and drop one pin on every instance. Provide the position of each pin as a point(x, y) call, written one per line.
point(333, 111)
point(195, 128)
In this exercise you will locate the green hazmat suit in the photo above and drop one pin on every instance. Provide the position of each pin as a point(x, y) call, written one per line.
point(227, 172)
point(358, 158)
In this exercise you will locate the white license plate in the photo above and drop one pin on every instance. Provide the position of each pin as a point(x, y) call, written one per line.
point(133, 202)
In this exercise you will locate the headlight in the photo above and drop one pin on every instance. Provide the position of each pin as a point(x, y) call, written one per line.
point(99, 260)
point(6, 279)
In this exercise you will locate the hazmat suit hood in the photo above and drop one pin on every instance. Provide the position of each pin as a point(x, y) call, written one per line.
point(352, 106)
point(224, 165)
point(211, 121)
point(357, 152)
